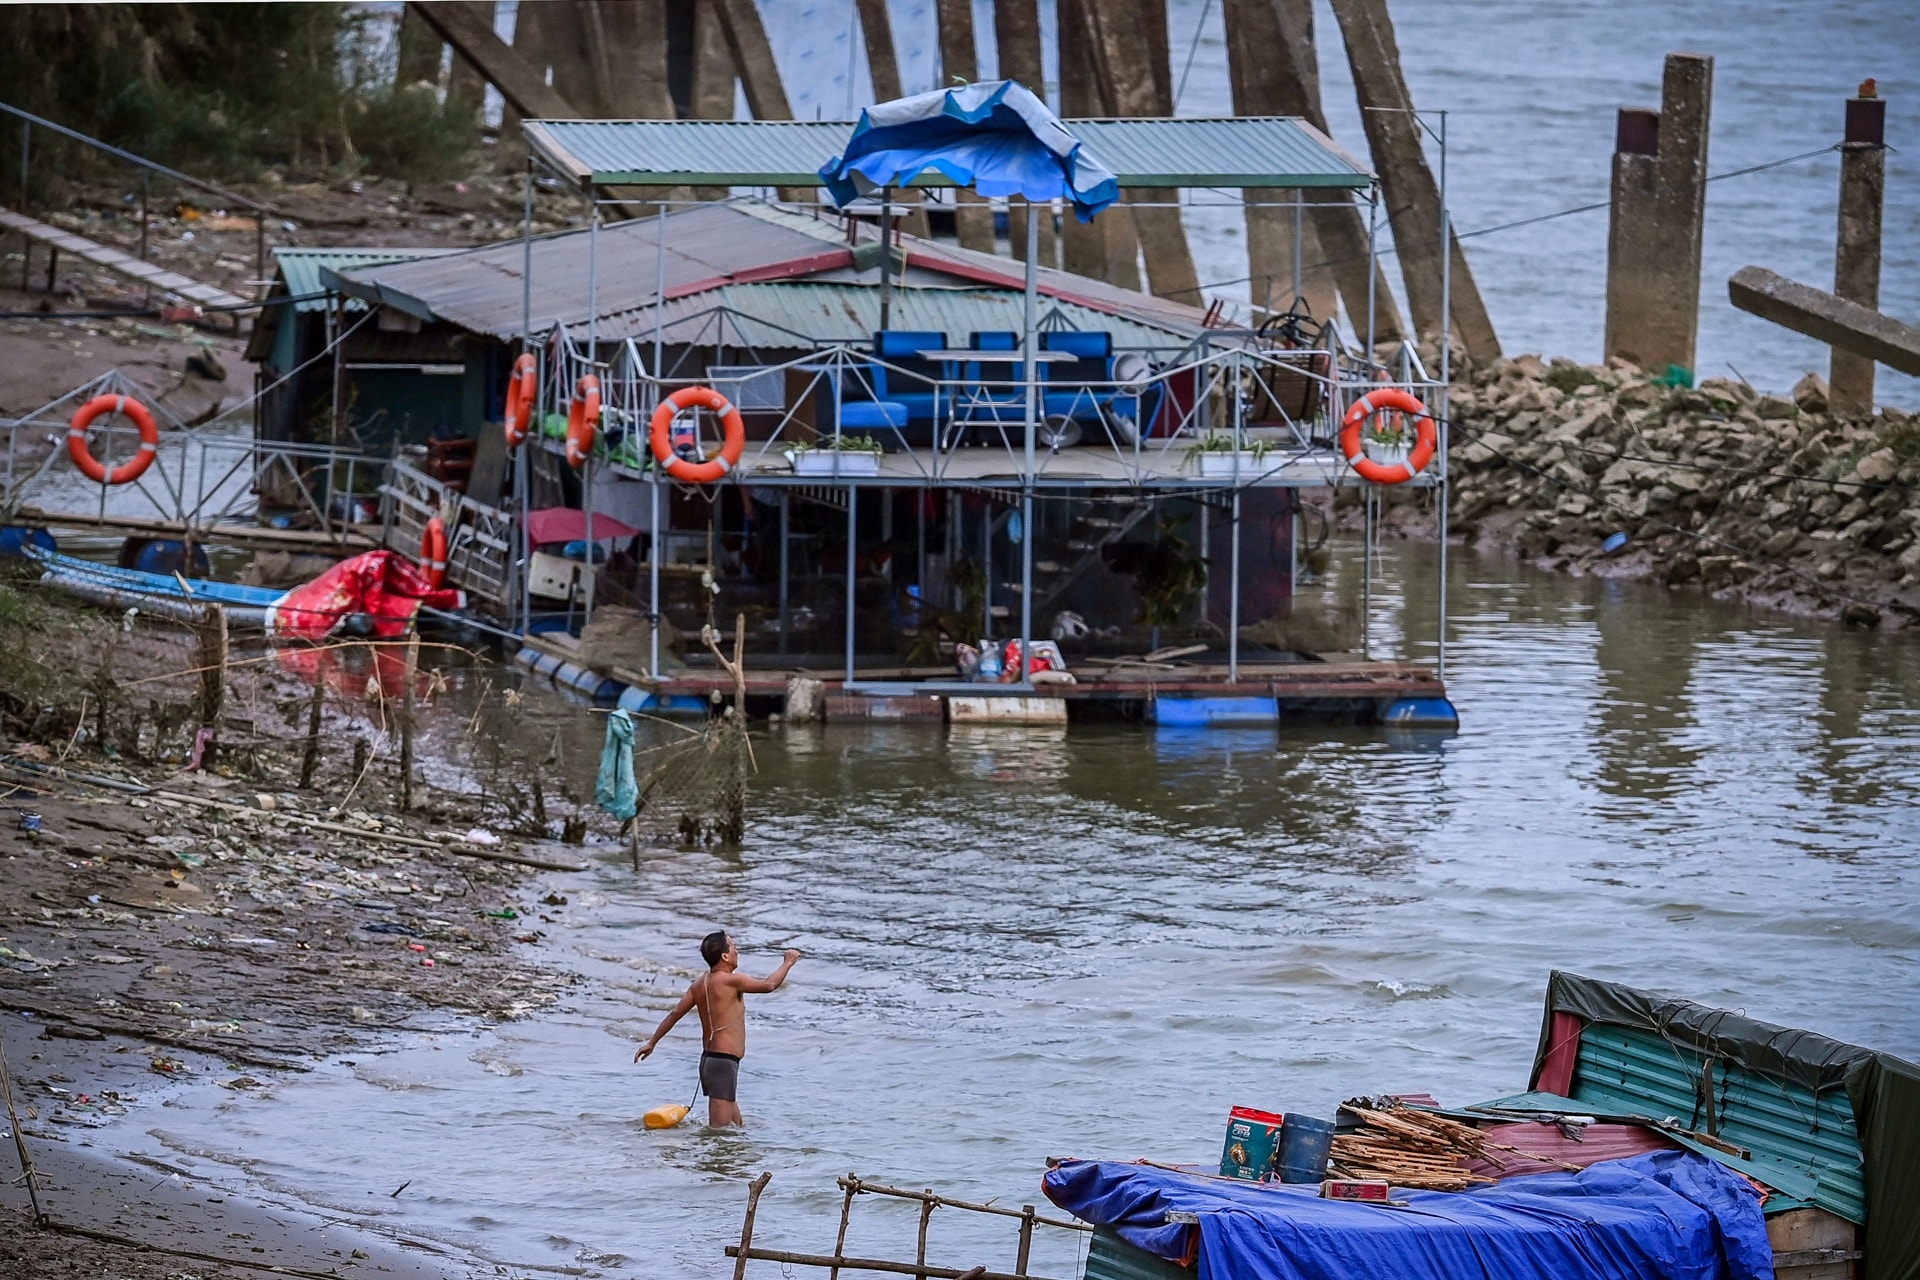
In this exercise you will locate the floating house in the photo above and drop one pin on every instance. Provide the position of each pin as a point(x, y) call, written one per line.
point(927, 480)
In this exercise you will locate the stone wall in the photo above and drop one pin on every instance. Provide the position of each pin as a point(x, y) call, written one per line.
point(1716, 487)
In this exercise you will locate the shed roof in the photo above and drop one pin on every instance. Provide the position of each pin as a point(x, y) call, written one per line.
point(300, 269)
point(1242, 151)
point(712, 252)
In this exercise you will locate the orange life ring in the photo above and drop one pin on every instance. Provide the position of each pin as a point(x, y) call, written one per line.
point(91, 467)
point(717, 465)
point(583, 421)
point(523, 388)
point(433, 551)
point(1426, 436)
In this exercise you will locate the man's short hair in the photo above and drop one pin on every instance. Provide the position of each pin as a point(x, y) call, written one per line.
point(713, 946)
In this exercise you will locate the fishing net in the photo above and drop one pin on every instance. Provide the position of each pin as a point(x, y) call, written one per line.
point(693, 790)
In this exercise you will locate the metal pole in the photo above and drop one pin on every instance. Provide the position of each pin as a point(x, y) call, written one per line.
point(660, 302)
point(1233, 599)
point(654, 552)
point(1446, 383)
point(853, 529)
point(886, 256)
point(1029, 366)
point(1366, 574)
point(522, 462)
point(1299, 229)
point(593, 365)
point(785, 526)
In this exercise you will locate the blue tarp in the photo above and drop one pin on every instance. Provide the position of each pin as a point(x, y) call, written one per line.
point(1672, 1215)
point(995, 137)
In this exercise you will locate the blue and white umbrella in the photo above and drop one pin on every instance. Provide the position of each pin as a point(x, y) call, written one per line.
point(995, 137)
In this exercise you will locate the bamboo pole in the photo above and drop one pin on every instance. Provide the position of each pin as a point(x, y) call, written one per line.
point(745, 1248)
point(882, 1265)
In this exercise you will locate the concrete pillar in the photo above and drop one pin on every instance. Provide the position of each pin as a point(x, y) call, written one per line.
point(960, 64)
point(1264, 71)
point(1856, 255)
point(419, 48)
point(1412, 194)
point(1016, 31)
point(1105, 248)
point(1657, 219)
point(883, 65)
point(466, 87)
point(714, 86)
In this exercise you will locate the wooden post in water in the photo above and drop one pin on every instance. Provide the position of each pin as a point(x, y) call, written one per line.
point(754, 1189)
point(1856, 254)
point(1412, 195)
point(310, 757)
point(212, 661)
point(1657, 220)
point(406, 723)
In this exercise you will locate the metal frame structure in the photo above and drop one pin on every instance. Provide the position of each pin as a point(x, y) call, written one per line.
point(1225, 361)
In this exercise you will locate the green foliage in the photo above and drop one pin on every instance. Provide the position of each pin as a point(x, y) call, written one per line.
point(222, 90)
point(1168, 579)
point(1568, 378)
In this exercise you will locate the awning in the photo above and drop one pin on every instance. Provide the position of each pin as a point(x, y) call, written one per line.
point(1282, 152)
point(566, 524)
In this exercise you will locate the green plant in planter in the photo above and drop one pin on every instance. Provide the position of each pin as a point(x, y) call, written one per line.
point(1385, 429)
point(1222, 442)
point(839, 444)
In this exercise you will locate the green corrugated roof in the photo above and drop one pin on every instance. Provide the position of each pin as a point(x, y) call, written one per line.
point(794, 314)
point(1246, 151)
point(1804, 1144)
point(300, 268)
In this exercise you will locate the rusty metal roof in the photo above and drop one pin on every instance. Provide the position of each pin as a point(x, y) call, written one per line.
point(714, 252)
point(1245, 151)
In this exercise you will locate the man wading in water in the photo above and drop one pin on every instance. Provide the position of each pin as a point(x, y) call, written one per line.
point(723, 1021)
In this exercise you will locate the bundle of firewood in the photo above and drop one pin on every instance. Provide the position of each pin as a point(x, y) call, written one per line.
point(1407, 1148)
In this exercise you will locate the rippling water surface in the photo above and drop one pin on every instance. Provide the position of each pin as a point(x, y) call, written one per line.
point(1023, 944)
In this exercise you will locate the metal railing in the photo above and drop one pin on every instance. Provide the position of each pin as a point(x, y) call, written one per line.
point(29, 122)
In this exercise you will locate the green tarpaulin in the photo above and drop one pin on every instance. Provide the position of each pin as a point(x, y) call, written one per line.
point(1884, 1093)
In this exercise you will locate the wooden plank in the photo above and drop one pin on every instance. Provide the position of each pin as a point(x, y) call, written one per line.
point(508, 69)
point(1412, 195)
point(118, 261)
point(1833, 320)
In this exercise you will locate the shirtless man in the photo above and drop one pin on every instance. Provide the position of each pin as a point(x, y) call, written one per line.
point(723, 1021)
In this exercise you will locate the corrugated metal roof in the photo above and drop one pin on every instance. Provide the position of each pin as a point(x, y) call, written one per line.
point(713, 253)
point(1245, 151)
point(300, 268)
point(1803, 1144)
point(804, 313)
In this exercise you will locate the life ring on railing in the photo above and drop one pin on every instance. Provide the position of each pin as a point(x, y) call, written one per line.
point(523, 389)
point(583, 421)
point(91, 467)
point(717, 465)
point(433, 551)
point(1388, 399)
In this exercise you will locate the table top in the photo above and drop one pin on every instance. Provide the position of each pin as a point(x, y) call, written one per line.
point(995, 357)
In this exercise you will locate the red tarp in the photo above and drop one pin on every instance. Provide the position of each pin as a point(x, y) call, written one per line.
point(1542, 1148)
point(564, 524)
point(383, 586)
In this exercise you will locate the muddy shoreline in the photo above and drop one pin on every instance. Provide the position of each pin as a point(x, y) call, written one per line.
point(165, 926)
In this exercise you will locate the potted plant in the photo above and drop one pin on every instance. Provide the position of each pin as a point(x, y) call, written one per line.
point(1386, 440)
point(1215, 456)
point(836, 455)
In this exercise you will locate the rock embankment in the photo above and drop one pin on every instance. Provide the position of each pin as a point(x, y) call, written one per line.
point(1715, 487)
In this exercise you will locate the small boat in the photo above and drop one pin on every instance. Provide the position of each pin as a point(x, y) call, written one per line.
point(168, 595)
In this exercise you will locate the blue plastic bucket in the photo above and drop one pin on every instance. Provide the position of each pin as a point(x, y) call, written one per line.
point(1305, 1144)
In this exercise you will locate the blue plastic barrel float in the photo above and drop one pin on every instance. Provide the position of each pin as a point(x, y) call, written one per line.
point(1305, 1144)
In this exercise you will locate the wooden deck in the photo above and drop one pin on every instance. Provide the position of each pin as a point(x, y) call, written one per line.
point(1102, 689)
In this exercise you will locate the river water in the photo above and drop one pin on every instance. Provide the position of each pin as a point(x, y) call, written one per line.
point(1094, 942)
